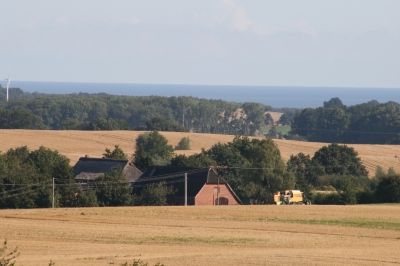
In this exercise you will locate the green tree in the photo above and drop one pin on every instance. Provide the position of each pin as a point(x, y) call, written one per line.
point(117, 153)
point(84, 198)
point(113, 189)
point(306, 171)
point(184, 144)
point(155, 194)
point(284, 120)
point(27, 179)
point(379, 173)
point(154, 145)
point(388, 189)
point(349, 193)
point(334, 103)
point(272, 132)
point(142, 159)
point(20, 119)
point(391, 171)
point(70, 124)
point(161, 124)
point(253, 166)
point(196, 160)
point(254, 117)
point(269, 121)
point(340, 159)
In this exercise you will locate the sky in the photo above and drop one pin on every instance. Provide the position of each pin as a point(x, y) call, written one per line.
point(337, 43)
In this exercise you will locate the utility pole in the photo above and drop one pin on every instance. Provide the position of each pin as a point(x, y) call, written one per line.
point(53, 192)
point(185, 189)
point(218, 192)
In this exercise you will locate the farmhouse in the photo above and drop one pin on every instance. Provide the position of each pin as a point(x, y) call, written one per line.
point(87, 169)
point(204, 186)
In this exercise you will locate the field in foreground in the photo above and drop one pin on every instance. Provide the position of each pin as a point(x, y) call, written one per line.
point(75, 144)
point(223, 235)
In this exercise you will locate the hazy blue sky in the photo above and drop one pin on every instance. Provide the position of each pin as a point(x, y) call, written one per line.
point(345, 43)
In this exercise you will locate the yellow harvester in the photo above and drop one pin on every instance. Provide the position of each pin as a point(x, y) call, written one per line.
point(294, 197)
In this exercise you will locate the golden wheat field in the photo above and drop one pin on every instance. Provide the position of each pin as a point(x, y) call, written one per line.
point(213, 235)
point(75, 144)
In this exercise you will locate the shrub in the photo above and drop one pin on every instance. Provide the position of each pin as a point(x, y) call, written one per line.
point(184, 144)
point(155, 195)
point(349, 193)
point(139, 263)
point(6, 258)
point(388, 189)
point(327, 198)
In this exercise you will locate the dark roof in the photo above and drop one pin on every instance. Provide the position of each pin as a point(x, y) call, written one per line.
point(175, 176)
point(91, 168)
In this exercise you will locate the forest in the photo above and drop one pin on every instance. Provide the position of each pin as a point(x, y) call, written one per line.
point(367, 123)
point(109, 112)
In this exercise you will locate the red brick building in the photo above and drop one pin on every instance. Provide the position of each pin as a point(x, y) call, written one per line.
point(204, 186)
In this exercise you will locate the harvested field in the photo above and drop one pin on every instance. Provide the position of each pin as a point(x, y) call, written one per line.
point(275, 115)
point(76, 144)
point(223, 235)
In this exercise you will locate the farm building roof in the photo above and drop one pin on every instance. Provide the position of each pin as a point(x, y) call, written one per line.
point(90, 168)
point(175, 176)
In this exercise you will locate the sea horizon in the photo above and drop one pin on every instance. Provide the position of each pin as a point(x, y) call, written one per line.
point(275, 96)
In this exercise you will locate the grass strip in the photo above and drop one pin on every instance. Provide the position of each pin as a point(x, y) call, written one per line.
point(375, 224)
point(202, 240)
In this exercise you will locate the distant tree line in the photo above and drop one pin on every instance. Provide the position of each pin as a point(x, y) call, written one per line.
point(108, 112)
point(369, 123)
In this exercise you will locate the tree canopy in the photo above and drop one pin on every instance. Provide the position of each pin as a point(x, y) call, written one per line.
point(26, 178)
point(152, 147)
point(370, 122)
point(117, 153)
point(340, 159)
point(102, 111)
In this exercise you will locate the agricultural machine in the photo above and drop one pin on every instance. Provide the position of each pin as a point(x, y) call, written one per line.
point(288, 197)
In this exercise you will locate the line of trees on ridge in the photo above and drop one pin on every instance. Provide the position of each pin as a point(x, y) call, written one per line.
point(369, 123)
point(254, 169)
point(109, 112)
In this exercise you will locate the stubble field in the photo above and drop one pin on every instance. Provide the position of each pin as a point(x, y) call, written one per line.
point(76, 144)
point(213, 235)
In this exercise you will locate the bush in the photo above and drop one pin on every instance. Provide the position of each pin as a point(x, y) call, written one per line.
point(155, 195)
point(366, 197)
point(338, 182)
point(6, 258)
point(388, 189)
point(184, 144)
point(349, 193)
point(327, 198)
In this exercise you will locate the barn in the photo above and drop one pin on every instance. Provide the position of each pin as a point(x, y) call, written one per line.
point(86, 170)
point(204, 186)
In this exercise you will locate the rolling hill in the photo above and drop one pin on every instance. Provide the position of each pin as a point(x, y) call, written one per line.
point(76, 144)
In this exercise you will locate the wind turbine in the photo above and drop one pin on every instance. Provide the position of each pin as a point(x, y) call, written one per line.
point(8, 84)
